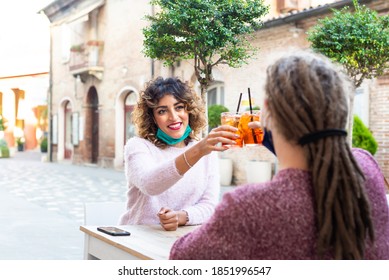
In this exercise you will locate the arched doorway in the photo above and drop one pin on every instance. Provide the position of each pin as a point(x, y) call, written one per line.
point(92, 125)
point(129, 104)
point(125, 102)
point(68, 130)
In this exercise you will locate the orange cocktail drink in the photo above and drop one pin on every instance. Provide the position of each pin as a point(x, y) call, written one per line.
point(232, 119)
point(251, 137)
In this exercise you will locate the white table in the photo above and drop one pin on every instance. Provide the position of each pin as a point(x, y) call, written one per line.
point(145, 242)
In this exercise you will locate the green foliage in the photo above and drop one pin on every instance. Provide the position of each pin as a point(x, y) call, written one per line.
point(210, 32)
point(20, 140)
point(358, 40)
point(362, 137)
point(4, 150)
point(255, 108)
point(43, 145)
point(1, 123)
point(214, 112)
point(3, 143)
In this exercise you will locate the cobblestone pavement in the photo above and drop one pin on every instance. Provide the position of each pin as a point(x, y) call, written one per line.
point(60, 188)
point(42, 205)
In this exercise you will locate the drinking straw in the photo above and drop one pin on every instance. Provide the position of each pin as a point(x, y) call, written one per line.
point(251, 111)
point(251, 107)
point(240, 99)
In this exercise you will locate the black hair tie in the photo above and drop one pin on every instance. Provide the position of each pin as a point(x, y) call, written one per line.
point(314, 136)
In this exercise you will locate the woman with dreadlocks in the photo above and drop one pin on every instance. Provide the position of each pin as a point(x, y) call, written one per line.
point(326, 202)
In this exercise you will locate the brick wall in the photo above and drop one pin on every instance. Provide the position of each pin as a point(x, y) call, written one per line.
point(379, 120)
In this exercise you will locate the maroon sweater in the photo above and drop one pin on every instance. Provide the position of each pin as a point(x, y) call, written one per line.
point(276, 220)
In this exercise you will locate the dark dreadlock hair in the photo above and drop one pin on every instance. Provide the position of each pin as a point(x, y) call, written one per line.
point(308, 91)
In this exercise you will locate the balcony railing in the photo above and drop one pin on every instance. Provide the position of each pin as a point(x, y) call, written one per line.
point(86, 59)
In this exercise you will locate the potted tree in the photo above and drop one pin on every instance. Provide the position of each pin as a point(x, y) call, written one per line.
point(20, 143)
point(43, 145)
point(358, 40)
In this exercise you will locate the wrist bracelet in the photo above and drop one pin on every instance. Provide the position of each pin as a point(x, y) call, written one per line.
point(187, 216)
point(190, 166)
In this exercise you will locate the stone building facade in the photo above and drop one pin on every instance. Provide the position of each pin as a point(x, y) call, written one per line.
point(98, 70)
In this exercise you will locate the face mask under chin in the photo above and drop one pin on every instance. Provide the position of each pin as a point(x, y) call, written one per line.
point(268, 140)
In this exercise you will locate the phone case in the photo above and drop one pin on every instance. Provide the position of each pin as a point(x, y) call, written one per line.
point(113, 231)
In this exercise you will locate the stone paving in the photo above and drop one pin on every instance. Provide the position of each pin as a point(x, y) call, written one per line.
point(61, 188)
point(42, 205)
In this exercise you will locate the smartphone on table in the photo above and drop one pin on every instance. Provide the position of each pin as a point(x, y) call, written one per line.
point(113, 231)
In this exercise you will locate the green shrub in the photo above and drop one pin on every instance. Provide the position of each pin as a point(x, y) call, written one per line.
point(2, 124)
point(362, 137)
point(214, 112)
point(4, 150)
point(3, 143)
point(255, 108)
point(44, 145)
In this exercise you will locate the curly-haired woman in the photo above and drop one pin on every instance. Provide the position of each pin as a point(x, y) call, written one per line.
point(172, 175)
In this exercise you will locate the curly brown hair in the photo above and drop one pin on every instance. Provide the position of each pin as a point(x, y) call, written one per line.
point(143, 117)
point(307, 93)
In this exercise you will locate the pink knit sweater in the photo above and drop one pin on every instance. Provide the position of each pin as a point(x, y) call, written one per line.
point(154, 182)
point(276, 220)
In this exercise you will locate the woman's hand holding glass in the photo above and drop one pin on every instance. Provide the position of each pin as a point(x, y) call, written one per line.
point(255, 124)
point(224, 135)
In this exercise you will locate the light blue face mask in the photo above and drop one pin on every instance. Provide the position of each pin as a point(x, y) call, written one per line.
point(170, 140)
